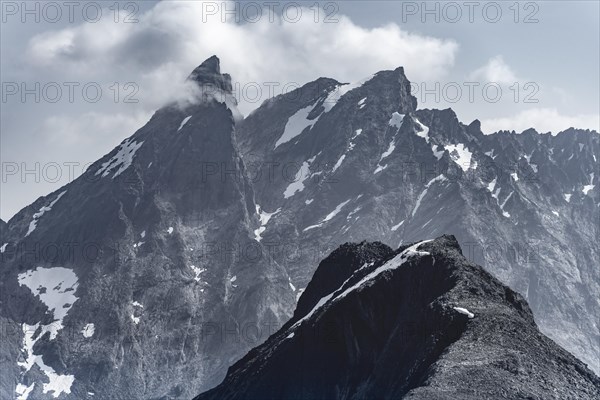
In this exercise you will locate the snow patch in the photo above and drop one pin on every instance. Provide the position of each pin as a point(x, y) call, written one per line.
point(185, 121)
point(296, 124)
point(24, 391)
point(3, 248)
point(396, 120)
point(57, 384)
point(491, 186)
point(41, 212)
point(534, 167)
point(439, 178)
point(197, 272)
point(122, 159)
point(338, 163)
point(589, 187)
point(329, 216)
point(460, 154)
point(361, 103)
point(264, 218)
point(55, 287)
point(395, 227)
point(568, 197)
point(307, 202)
point(390, 149)
point(464, 311)
point(506, 214)
point(336, 94)
point(88, 330)
point(170, 230)
point(335, 211)
point(298, 184)
point(351, 214)
point(379, 169)
point(424, 132)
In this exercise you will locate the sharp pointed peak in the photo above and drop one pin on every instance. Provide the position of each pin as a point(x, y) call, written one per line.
point(211, 65)
point(209, 73)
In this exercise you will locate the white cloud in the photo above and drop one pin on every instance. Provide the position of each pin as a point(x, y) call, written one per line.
point(495, 70)
point(543, 120)
point(92, 128)
point(171, 39)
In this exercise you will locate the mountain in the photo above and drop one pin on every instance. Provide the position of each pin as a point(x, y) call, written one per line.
point(122, 283)
point(421, 322)
point(334, 163)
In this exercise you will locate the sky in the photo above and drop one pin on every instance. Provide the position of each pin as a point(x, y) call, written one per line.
point(79, 77)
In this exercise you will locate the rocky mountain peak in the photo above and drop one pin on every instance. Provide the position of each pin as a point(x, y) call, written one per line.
point(209, 73)
point(411, 325)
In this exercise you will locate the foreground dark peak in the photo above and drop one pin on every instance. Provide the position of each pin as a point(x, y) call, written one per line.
point(209, 73)
point(420, 322)
point(337, 268)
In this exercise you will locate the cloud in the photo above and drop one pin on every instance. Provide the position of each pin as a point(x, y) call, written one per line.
point(172, 38)
point(496, 70)
point(92, 128)
point(543, 120)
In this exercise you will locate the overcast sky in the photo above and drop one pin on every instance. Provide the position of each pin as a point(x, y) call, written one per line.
point(535, 64)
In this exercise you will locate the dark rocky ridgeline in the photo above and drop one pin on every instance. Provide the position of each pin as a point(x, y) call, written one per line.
point(142, 278)
point(421, 322)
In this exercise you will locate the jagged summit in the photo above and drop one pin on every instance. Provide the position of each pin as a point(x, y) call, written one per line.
point(209, 73)
point(212, 64)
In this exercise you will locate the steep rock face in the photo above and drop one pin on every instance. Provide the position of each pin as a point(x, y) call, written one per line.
point(372, 167)
point(120, 284)
point(420, 323)
point(3, 230)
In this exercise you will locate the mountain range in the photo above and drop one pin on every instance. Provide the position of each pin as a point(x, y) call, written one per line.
point(191, 242)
